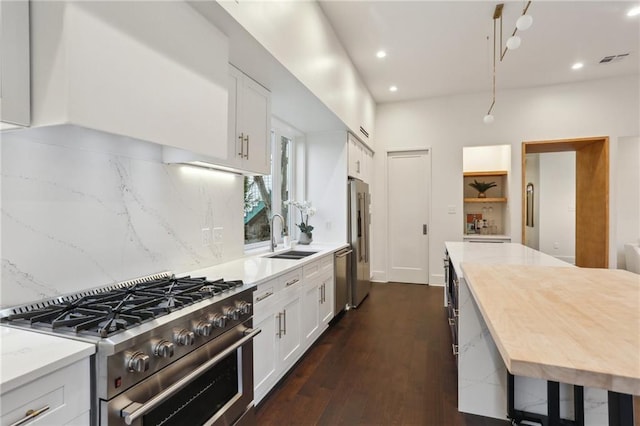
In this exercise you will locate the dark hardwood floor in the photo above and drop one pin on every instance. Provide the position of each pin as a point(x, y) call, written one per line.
point(388, 362)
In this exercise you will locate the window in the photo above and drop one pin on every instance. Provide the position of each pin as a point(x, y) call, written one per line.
point(261, 201)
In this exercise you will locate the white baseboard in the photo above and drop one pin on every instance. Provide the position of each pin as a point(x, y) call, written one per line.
point(437, 280)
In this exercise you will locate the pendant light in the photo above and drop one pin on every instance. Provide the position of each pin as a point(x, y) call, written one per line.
point(523, 23)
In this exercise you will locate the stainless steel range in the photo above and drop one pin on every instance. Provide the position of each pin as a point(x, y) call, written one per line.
point(170, 351)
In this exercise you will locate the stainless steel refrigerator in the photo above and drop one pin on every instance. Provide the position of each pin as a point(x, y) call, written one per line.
point(358, 235)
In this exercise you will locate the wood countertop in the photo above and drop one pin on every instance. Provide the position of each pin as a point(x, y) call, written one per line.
point(572, 325)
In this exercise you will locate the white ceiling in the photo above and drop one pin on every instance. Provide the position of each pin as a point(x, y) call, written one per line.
point(437, 48)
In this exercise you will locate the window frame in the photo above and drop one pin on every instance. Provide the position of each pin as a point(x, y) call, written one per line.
point(296, 168)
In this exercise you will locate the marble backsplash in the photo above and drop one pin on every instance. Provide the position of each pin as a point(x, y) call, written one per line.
point(82, 209)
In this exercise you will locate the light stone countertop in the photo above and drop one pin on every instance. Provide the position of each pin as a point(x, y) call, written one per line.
point(258, 268)
point(572, 325)
point(27, 355)
point(498, 253)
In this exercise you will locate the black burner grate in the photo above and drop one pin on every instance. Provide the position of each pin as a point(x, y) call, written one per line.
point(105, 313)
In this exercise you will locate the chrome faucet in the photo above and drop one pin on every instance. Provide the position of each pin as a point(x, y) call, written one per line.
point(273, 237)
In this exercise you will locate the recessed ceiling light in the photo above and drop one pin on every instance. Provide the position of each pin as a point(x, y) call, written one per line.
point(381, 54)
point(393, 88)
point(577, 66)
point(635, 11)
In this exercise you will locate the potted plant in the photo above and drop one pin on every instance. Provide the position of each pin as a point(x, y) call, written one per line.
point(306, 211)
point(482, 187)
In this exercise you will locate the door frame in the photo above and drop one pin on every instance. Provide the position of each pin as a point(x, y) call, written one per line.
point(592, 194)
point(389, 152)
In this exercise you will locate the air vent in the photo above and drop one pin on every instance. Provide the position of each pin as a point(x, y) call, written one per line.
point(614, 58)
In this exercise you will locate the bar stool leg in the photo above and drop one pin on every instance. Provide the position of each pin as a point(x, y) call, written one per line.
point(620, 409)
point(578, 404)
point(553, 403)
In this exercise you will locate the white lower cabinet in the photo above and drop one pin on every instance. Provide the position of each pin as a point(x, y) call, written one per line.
point(292, 311)
point(62, 398)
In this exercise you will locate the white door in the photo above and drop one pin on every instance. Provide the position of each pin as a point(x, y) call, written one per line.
point(408, 186)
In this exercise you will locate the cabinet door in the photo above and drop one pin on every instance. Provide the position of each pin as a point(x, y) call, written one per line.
point(234, 153)
point(265, 349)
point(289, 340)
point(15, 102)
point(312, 297)
point(327, 299)
point(367, 165)
point(355, 157)
point(255, 127)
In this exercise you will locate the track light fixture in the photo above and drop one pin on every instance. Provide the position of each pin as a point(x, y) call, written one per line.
point(523, 23)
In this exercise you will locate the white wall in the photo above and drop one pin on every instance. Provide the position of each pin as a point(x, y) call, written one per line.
point(82, 209)
point(557, 205)
point(486, 158)
point(311, 51)
point(603, 107)
point(627, 188)
point(326, 176)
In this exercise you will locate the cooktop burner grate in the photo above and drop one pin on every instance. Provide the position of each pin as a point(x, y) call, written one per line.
point(104, 312)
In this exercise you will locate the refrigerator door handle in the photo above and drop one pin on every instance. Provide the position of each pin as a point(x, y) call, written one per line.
point(366, 227)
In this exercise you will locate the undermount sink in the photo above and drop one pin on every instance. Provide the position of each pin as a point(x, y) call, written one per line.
point(292, 255)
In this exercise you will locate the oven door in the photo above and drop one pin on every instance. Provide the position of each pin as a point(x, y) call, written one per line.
point(213, 385)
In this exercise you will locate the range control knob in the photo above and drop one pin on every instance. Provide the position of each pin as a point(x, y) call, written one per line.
point(231, 312)
point(203, 328)
point(184, 337)
point(138, 362)
point(218, 320)
point(244, 307)
point(163, 348)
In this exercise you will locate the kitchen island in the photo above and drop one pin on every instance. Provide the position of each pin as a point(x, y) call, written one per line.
point(482, 373)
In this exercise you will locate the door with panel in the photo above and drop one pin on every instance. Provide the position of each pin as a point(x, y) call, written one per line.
point(311, 294)
point(265, 344)
point(289, 330)
point(408, 185)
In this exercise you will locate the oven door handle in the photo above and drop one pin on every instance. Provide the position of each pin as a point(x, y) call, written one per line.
point(140, 410)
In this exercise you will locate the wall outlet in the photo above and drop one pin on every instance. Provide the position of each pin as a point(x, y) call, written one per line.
point(217, 234)
point(556, 245)
point(217, 250)
point(328, 225)
point(451, 209)
point(206, 237)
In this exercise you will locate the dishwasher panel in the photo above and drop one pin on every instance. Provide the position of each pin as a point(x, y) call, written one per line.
point(343, 279)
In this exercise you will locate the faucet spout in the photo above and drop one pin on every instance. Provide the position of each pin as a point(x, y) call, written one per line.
point(274, 244)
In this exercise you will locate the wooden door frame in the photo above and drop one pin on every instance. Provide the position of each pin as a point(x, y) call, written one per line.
point(592, 194)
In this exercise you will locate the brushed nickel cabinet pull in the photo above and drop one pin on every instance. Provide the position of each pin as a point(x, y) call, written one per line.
point(241, 153)
point(246, 139)
point(292, 282)
point(264, 296)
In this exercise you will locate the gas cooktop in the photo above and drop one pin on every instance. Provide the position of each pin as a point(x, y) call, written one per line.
point(106, 311)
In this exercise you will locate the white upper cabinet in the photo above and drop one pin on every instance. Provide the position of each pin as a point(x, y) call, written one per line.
point(313, 53)
point(15, 106)
point(360, 160)
point(155, 71)
point(249, 123)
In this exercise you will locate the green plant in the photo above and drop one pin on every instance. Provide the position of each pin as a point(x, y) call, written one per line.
point(482, 187)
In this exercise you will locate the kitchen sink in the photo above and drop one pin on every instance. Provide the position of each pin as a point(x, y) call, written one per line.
point(292, 255)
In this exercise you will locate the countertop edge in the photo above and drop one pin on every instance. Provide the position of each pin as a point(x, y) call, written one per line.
point(76, 351)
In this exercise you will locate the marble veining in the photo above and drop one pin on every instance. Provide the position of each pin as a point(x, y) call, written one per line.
point(482, 375)
point(82, 209)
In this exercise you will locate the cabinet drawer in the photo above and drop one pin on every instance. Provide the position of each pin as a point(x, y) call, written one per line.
point(326, 264)
point(312, 269)
point(65, 392)
point(290, 279)
point(265, 293)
